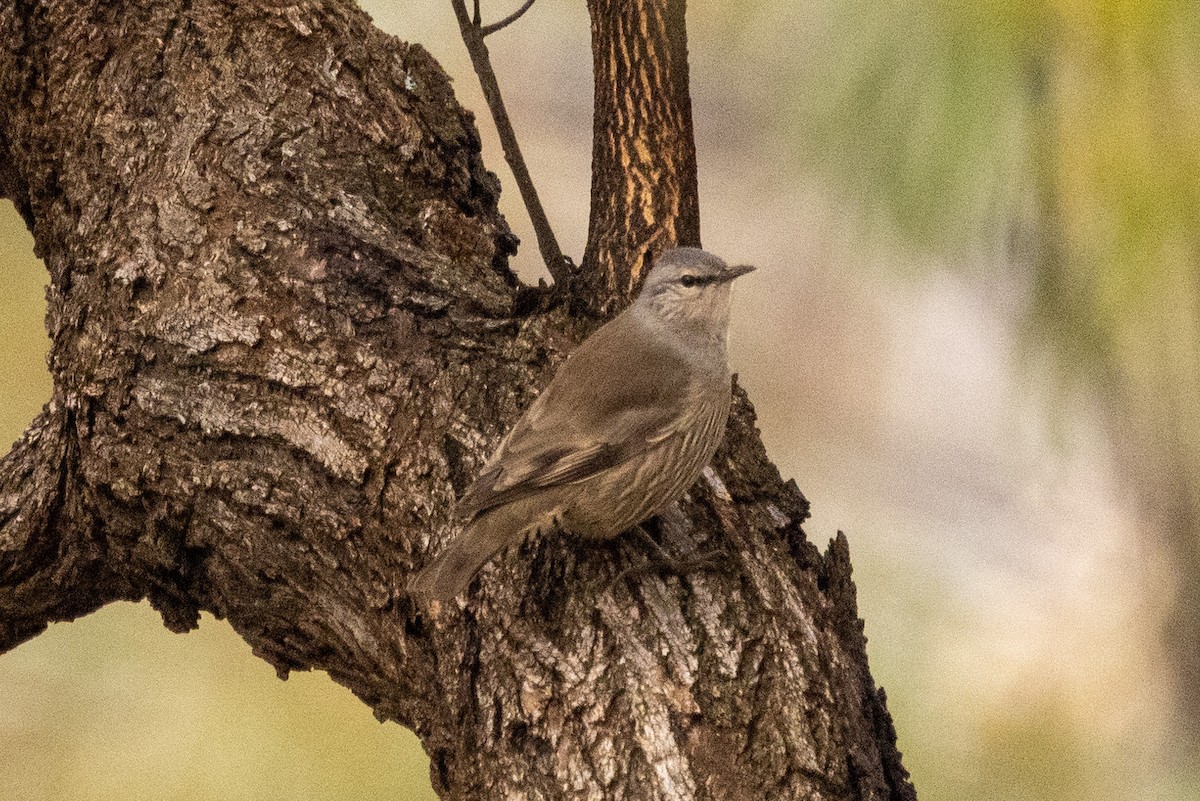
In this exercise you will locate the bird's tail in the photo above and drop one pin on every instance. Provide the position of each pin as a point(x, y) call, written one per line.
point(451, 572)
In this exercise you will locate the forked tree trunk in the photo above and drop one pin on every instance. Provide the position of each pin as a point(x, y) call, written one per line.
point(285, 335)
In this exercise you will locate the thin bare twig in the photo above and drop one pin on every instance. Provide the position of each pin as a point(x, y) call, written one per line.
point(488, 30)
point(472, 34)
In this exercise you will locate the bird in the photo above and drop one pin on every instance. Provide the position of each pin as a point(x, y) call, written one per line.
point(622, 431)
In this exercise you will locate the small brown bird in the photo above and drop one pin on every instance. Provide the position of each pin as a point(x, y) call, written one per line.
point(622, 431)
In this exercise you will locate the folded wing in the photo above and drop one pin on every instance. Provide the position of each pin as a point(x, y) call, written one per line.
point(610, 402)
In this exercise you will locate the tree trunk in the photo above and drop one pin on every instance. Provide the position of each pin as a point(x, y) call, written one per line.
point(285, 335)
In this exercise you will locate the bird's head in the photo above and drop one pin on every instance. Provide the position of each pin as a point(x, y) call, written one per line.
point(688, 289)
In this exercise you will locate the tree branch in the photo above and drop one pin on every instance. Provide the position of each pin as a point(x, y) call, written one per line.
point(560, 267)
point(488, 30)
point(48, 566)
point(644, 189)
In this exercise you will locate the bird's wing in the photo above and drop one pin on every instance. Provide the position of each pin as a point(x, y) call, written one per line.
point(613, 399)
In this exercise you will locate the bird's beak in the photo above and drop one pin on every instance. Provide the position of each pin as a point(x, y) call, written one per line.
point(733, 271)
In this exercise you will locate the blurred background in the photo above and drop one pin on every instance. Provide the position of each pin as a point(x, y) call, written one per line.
point(973, 341)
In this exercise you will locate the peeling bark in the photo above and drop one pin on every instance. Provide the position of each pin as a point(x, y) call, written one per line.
point(285, 335)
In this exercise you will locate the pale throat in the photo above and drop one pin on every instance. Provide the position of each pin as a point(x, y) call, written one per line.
point(699, 329)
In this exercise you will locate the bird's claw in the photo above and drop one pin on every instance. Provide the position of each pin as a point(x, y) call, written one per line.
point(657, 560)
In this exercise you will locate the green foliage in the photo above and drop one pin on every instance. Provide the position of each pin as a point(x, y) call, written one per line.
point(1058, 137)
point(918, 112)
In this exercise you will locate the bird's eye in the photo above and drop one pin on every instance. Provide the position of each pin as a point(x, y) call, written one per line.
point(689, 280)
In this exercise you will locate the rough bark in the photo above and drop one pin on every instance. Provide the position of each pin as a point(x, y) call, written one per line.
point(285, 335)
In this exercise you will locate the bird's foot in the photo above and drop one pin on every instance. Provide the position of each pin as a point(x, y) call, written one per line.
point(658, 560)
